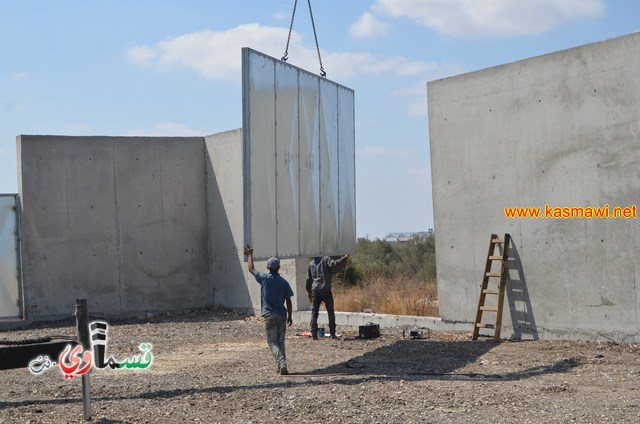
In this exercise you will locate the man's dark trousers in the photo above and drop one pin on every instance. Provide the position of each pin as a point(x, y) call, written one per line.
point(316, 299)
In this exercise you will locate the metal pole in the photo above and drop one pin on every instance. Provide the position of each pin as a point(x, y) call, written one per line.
point(82, 329)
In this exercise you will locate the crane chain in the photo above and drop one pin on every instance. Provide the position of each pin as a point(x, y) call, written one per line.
point(313, 25)
point(284, 58)
point(293, 16)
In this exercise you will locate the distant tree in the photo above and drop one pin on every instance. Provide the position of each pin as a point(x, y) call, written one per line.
point(414, 259)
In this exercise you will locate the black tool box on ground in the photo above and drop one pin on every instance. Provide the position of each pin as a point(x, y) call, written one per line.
point(369, 331)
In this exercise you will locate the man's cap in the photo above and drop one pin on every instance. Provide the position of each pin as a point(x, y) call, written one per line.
point(273, 263)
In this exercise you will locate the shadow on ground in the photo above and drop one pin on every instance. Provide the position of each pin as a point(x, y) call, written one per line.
point(426, 359)
point(208, 314)
point(408, 360)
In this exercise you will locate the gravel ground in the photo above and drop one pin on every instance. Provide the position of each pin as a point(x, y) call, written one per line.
point(214, 366)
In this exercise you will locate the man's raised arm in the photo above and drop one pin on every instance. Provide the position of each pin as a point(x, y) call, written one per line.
point(249, 252)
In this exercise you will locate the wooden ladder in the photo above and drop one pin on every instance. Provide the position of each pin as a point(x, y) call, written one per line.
point(499, 291)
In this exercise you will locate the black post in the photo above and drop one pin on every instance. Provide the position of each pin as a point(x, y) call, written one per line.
point(82, 329)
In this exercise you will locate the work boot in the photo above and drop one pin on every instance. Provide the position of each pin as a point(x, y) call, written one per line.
point(284, 371)
point(333, 335)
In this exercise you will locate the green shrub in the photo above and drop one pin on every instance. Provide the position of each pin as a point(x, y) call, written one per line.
point(414, 259)
point(392, 278)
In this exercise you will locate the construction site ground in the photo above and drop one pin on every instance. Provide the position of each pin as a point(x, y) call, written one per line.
point(214, 366)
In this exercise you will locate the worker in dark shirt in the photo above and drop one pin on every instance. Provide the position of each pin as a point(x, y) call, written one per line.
point(319, 275)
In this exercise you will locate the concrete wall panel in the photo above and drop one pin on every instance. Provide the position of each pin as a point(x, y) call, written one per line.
point(260, 158)
point(59, 269)
point(346, 175)
point(287, 163)
point(298, 172)
point(560, 129)
point(139, 197)
point(329, 165)
point(309, 161)
point(164, 273)
point(225, 207)
point(120, 221)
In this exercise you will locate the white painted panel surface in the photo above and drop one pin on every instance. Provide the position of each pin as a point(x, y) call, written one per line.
point(261, 189)
point(347, 175)
point(287, 171)
point(329, 167)
point(293, 139)
point(309, 165)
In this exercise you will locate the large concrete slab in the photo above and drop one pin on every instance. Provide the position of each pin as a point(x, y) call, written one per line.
point(120, 221)
point(299, 160)
point(560, 129)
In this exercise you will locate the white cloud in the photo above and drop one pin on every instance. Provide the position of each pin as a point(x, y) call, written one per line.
point(466, 18)
point(368, 26)
point(213, 54)
point(216, 54)
point(167, 129)
point(346, 65)
point(414, 97)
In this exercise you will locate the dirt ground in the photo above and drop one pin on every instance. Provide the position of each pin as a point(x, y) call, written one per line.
point(214, 366)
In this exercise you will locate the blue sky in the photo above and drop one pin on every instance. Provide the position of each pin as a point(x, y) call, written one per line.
point(172, 67)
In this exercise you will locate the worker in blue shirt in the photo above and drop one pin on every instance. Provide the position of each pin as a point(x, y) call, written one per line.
point(275, 291)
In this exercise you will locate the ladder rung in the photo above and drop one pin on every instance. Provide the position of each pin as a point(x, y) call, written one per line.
point(497, 241)
point(485, 325)
point(490, 292)
point(489, 308)
point(495, 258)
point(493, 274)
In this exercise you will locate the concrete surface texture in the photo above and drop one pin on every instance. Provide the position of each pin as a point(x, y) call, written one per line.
point(561, 130)
point(136, 225)
point(120, 221)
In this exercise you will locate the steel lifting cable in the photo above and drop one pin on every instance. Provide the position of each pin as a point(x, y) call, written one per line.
point(286, 49)
point(313, 25)
point(315, 36)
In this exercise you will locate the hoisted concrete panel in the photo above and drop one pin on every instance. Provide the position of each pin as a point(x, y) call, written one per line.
point(299, 160)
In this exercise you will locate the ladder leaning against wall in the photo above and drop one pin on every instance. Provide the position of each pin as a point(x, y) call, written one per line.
point(489, 288)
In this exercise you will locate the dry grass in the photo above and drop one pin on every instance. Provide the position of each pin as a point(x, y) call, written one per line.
point(389, 296)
